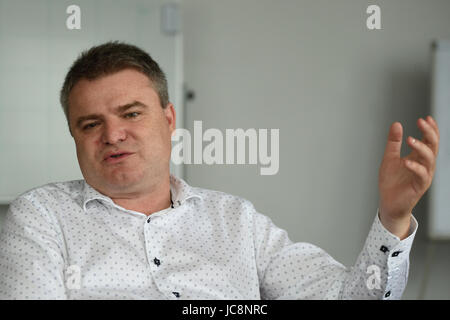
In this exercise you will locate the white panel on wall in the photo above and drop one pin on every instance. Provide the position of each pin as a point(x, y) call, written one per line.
point(37, 50)
point(439, 226)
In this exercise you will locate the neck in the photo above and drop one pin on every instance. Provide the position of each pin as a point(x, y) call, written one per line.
point(149, 202)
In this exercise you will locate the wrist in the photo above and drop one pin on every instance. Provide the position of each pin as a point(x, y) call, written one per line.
point(398, 226)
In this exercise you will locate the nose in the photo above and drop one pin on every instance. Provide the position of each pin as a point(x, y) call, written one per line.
point(113, 133)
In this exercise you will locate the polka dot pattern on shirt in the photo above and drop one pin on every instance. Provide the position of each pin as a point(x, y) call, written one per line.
point(67, 241)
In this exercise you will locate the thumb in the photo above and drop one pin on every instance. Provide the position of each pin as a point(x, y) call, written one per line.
point(394, 141)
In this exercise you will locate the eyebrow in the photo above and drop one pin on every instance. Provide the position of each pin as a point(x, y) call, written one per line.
point(119, 109)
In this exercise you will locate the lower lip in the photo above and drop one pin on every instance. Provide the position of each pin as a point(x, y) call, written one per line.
point(117, 159)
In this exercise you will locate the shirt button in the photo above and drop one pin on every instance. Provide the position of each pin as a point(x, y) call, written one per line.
point(384, 249)
point(148, 220)
point(387, 294)
point(176, 294)
point(396, 253)
point(157, 262)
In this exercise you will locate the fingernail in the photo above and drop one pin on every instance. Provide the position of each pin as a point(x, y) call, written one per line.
point(413, 140)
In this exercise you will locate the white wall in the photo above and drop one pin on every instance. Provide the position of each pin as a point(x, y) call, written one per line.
point(312, 69)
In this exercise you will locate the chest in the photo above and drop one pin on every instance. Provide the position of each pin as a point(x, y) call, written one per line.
point(185, 252)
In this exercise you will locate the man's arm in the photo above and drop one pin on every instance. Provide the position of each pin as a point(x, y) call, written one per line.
point(301, 270)
point(304, 271)
point(31, 253)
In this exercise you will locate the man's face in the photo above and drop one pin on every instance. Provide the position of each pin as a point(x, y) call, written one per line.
point(120, 114)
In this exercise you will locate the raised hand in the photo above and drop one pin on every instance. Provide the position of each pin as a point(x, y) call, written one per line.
point(403, 181)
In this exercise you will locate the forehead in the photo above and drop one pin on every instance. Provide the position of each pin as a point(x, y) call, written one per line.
point(110, 91)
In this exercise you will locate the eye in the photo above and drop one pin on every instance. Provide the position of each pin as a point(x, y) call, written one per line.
point(132, 115)
point(90, 125)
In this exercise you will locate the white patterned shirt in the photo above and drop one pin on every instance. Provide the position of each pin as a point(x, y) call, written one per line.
point(67, 241)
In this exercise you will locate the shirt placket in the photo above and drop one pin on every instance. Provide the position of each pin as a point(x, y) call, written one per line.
point(157, 260)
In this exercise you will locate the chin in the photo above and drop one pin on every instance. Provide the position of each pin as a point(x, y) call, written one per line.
point(118, 181)
point(123, 182)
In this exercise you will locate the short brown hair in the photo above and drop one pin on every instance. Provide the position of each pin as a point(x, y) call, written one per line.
point(109, 58)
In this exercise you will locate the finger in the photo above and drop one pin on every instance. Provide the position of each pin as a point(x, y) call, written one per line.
point(394, 142)
point(419, 170)
point(425, 155)
point(430, 136)
point(434, 124)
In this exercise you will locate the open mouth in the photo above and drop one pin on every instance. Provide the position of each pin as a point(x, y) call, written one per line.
point(117, 157)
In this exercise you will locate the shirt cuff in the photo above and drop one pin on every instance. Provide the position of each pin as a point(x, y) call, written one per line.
point(386, 248)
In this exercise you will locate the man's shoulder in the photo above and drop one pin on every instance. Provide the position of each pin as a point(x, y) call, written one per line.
point(210, 196)
point(223, 199)
point(53, 190)
point(41, 204)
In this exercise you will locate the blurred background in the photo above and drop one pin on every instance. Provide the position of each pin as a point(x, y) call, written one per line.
point(310, 68)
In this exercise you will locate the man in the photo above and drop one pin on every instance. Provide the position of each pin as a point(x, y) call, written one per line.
point(130, 230)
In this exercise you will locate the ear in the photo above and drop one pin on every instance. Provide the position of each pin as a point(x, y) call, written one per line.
point(170, 115)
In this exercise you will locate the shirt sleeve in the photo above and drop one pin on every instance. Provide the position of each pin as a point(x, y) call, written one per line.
point(31, 253)
point(290, 270)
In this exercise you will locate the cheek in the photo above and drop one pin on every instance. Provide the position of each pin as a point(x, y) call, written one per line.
point(152, 144)
point(160, 138)
point(85, 151)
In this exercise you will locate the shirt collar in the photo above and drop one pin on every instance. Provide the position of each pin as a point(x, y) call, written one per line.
point(180, 191)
